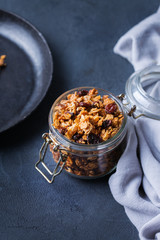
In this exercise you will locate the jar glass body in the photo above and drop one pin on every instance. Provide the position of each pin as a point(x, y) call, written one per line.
point(94, 160)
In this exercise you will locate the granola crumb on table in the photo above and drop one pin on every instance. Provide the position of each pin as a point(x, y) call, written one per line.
point(87, 118)
point(2, 63)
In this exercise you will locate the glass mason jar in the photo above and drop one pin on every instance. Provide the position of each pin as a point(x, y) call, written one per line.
point(86, 161)
point(96, 160)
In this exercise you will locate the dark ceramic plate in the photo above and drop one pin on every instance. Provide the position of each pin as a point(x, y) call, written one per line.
point(28, 74)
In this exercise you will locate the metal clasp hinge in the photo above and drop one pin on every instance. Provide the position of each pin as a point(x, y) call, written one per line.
point(131, 111)
point(61, 161)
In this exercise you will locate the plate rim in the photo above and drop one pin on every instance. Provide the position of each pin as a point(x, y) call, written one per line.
point(51, 65)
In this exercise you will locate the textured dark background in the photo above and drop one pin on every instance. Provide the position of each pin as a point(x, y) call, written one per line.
point(81, 35)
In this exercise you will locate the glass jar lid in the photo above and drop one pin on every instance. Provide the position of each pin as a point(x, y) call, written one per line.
point(143, 90)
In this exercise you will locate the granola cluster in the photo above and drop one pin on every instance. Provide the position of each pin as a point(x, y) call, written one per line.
point(93, 166)
point(2, 59)
point(87, 118)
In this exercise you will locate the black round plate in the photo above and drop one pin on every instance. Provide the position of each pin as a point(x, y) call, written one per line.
point(28, 74)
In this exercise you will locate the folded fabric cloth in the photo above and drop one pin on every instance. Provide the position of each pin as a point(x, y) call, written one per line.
point(140, 45)
point(136, 182)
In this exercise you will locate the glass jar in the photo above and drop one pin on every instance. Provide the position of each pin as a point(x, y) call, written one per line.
point(142, 98)
point(83, 160)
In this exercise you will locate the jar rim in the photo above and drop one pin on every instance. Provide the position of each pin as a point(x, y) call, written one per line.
point(86, 147)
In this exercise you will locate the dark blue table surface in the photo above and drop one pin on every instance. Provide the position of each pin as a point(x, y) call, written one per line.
point(81, 35)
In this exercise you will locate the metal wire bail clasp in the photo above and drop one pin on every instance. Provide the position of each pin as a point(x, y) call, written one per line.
point(130, 111)
point(61, 161)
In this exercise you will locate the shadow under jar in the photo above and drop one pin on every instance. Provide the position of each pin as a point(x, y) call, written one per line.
point(87, 161)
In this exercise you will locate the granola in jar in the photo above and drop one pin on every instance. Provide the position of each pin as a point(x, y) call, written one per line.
point(92, 123)
point(85, 117)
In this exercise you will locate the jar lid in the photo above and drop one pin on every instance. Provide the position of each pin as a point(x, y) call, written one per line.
point(143, 90)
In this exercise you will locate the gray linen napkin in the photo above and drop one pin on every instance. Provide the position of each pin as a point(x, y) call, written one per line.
point(136, 182)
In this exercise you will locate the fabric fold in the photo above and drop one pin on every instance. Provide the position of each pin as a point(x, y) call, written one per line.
point(136, 182)
point(131, 45)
